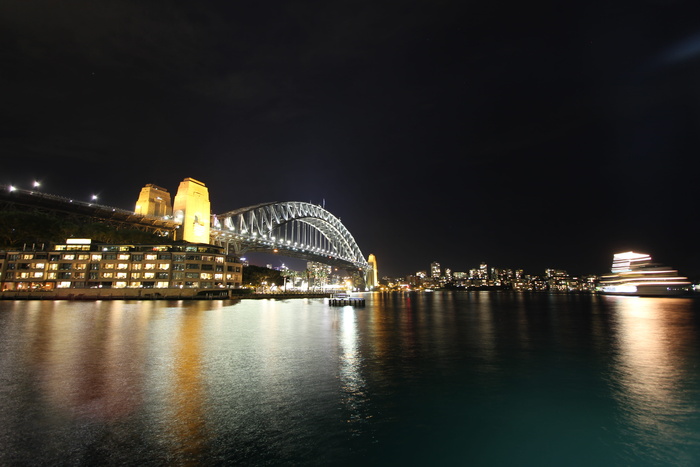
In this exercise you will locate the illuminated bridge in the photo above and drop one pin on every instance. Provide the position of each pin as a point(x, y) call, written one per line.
point(291, 228)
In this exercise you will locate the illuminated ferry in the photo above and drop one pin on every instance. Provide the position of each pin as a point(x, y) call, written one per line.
point(635, 274)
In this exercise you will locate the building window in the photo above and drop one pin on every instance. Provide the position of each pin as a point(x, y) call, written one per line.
point(192, 275)
point(123, 266)
point(206, 275)
point(69, 257)
point(151, 257)
point(192, 266)
point(207, 267)
point(107, 275)
point(65, 266)
point(179, 258)
point(63, 285)
point(83, 257)
point(123, 257)
point(108, 265)
point(149, 275)
point(162, 285)
point(64, 275)
point(150, 266)
point(161, 275)
point(81, 266)
point(164, 266)
point(27, 256)
point(121, 275)
point(136, 257)
point(136, 267)
point(96, 258)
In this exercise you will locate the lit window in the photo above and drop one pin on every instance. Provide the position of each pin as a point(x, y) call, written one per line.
point(164, 266)
point(162, 285)
point(107, 275)
point(135, 284)
point(123, 257)
point(150, 266)
point(108, 265)
point(135, 275)
point(69, 257)
point(151, 257)
point(136, 267)
point(121, 275)
point(83, 257)
point(39, 265)
point(63, 285)
point(123, 266)
point(119, 284)
point(149, 275)
point(96, 258)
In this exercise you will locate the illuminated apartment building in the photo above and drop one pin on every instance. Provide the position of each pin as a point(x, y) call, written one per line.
point(81, 264)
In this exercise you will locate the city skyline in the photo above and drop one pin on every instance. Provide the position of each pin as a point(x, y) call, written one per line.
point(538, 136)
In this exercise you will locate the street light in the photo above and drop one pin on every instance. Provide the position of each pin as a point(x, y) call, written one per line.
point(12, 188)
point(94, 197)
point(37, 184)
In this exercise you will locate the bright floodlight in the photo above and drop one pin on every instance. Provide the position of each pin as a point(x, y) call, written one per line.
point(37, 184)
point(94, 197)
point(11, 188)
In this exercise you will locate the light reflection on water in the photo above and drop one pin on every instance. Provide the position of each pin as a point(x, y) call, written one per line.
point(651, 378)
point(446, 378)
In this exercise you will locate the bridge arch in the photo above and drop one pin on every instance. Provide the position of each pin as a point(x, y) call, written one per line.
point(295, 228)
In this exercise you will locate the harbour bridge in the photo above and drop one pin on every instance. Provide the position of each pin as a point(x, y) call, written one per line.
point(291, 228)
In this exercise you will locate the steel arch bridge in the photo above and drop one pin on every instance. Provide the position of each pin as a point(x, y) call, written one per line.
point(292, 228)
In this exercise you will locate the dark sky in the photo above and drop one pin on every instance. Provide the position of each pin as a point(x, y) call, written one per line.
point(524, 134)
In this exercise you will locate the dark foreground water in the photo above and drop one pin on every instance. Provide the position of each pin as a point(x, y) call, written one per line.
point(432, 379)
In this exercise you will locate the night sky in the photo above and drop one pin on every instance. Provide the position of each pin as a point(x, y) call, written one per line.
point(523, 134)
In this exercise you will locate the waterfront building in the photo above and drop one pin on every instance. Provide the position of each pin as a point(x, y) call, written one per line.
point(83, 264)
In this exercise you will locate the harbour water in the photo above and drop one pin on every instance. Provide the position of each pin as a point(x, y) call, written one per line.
point(448, 378)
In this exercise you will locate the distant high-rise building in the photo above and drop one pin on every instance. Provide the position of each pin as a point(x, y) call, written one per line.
point(372, 276)
point(154, 201)
point(435, 270)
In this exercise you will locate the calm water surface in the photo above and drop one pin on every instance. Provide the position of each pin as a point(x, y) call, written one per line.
point(441, 379)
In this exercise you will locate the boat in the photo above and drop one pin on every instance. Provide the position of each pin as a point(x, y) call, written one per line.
point(635, 274)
